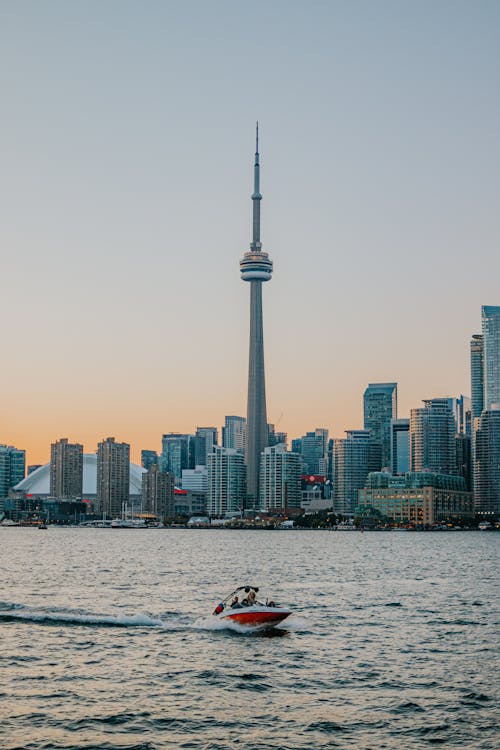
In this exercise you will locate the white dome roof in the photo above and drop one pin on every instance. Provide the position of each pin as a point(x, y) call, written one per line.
point(38, 482)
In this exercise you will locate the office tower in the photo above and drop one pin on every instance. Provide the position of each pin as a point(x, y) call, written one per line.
point(461, 409)
point(351, 458)
point(226, 481)
point(113, 477)
point(487, 463)
point(158, 492)
point(12, 467)
point(297, 445)
point(491, 341)
point(477, 375)
point(234, 433)
point(380, 405)
point(66, 469)
point(280, 479)
point(175, 454)
point(313, 449)
point(400, 446)
point(204, 439)
point(432, 437)
point(256, 268)
point(148, 458)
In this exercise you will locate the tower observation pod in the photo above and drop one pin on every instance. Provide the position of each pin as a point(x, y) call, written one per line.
point(256, 267)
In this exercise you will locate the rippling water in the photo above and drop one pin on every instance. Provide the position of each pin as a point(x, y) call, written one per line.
point(105, 640)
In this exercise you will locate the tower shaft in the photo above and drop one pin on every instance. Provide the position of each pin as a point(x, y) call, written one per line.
point(256, 404)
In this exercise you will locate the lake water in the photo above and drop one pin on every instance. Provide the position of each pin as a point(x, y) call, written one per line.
point(105, 640)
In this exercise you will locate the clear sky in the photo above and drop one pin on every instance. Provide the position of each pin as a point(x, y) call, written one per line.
point(126, 145)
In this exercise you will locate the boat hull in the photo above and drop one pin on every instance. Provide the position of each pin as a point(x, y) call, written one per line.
point(255, 617)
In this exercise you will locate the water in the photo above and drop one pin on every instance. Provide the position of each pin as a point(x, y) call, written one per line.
point(105, 640)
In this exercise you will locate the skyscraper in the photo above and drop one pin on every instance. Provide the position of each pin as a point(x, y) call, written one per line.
point(226, 481)
point(477, 375)
point(66, 469)
point(351, 458)
point(234, 433)
point(113, 477)
point(12, 467)
point(256, 267)
point(491, 341)
point(158, 492)
point(175, 454)
point(487, 463)
point(148, 458)
point(280, 475)
point(400, 446)
point(313, 449)
point(205, 438)
point(432, 437)
point(380, 405)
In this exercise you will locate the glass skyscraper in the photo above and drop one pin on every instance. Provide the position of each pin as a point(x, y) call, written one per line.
point(12, 467)
point(400, 446)
point(380, 405)
point(432, 437)
point(487, 463)
point(491, 343)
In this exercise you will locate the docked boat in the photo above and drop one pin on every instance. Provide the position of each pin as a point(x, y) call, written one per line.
point(249, 612)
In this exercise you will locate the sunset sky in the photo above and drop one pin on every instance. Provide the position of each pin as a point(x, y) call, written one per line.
point(127, 139)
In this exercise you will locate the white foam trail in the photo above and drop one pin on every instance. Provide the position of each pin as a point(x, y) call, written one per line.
point(138, 620)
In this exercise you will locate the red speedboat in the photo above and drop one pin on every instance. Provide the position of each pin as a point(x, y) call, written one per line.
point(244, 609)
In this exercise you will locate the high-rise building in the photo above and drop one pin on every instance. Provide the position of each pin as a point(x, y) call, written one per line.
point(380, 405)
point(66, 469)
point(204, 439)
point(113, 477)
point(148, 458)
point(234, 433)
point(226, 481)
point(432, 437)
point(195, 480)
point(256, 268)
point(280, 479)
point(313, 449)
point(12, 467)
point(487, 463)
point(400, 446)
point(351, 459)
point(477, 375)
point(175, 454)
point(491, 341)
point(158, 492)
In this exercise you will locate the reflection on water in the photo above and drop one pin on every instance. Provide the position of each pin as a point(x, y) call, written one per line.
point(106, 640)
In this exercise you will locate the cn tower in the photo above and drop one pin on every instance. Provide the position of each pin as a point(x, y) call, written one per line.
point(256, 267)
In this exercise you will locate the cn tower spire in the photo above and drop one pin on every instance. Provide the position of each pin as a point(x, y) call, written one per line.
point(256, 245)
point(256, 267)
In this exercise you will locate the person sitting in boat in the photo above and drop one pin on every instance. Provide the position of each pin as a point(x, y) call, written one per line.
point(249, 600)
point(235, 604)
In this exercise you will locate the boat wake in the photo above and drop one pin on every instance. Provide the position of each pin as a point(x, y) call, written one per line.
point(12, 612)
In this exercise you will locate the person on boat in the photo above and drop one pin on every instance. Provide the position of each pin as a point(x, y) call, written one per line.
point(251, 597)
point(235, 604)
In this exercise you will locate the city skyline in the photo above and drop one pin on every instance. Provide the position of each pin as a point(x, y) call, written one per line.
point(124, 211)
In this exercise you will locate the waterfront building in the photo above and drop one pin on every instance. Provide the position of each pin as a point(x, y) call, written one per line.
point(113, 477)
point(176, 453)
point(422, 506)
point(432, 437)
point(227, 488)
point(380, 406)
point(234, 433)
point(256, 268)
point(66, 469)
point(487, 462)
point(491, 357)
point(12, 467)
point(280, 479)
point(415, 479)
point(204, 439)
point(158, 492)
point(400, 446)
point(148, 458)
point(351, 459)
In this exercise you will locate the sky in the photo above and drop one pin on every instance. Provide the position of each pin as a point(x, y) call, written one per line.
point(126, 145)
